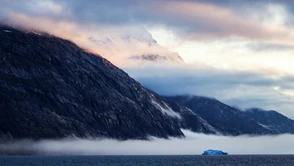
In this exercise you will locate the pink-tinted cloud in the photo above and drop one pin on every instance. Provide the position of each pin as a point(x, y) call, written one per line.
point(117, 44)
point(218, 21)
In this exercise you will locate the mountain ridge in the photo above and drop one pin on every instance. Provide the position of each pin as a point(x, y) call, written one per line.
point(232, 121)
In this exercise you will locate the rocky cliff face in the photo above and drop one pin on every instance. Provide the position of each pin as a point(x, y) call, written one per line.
point(50, 88)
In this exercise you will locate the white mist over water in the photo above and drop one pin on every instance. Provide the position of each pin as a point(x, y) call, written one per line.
point(193, 144)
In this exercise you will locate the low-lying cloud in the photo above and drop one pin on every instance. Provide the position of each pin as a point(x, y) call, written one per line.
point(193, 144)
point(243, 89)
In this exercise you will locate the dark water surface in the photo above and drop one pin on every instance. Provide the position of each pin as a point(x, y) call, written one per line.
point(231, 160)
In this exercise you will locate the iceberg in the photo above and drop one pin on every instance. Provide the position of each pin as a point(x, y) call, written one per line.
point(214, 152)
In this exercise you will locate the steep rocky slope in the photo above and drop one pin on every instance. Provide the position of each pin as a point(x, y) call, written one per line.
point(50, 88)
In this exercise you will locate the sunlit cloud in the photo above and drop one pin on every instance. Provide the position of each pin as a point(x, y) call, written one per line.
point(231, 53)
point(117, 44)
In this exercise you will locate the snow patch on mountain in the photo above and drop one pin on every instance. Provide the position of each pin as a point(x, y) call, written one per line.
point(265, 126)
point(168, 111)
point(37, 33)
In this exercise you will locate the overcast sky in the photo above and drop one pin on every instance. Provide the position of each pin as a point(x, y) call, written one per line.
point(239, 51)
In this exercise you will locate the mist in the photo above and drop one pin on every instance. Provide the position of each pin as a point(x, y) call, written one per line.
point(193, 144)
point(238, 88)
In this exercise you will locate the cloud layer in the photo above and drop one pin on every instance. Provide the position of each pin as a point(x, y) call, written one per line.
point(192, 19)
point(194, 144)
point(243, 89)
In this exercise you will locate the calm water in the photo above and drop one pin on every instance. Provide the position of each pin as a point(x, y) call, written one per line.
point(233, 160)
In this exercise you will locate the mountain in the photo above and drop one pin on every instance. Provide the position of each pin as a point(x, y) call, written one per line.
point(132, 44)
point(171, 57)
point(187, 118)
point(231, 121)
point(51, 88)
point(271, 120)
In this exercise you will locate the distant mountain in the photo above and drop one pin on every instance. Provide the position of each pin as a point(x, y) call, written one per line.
point(136, 44)
point(231, 121)
point(171, 57)
point(50, 88)
point(271, 120)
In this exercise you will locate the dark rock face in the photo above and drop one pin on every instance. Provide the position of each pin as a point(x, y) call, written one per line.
point(225, 119)
point(272, 120)
point(50, 88)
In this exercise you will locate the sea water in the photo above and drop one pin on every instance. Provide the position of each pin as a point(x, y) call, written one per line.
point(230, 160)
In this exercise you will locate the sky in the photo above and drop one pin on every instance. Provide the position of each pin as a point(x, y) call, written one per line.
point(238, 51)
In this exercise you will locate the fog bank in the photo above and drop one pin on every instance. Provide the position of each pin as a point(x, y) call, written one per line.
point(193, 144)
